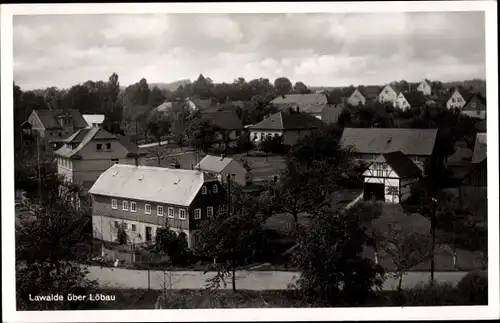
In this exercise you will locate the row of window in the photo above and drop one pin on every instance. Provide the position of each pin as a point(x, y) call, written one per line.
point(159, 210)
point(125, 226)
point(264, 135)
point(204, 189)
point(64, 162)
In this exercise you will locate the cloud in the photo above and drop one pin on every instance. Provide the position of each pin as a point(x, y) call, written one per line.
point(318, 49)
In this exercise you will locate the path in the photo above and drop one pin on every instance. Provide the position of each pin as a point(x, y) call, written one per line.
point(251, 280)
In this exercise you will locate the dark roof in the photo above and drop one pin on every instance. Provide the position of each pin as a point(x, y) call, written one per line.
point(402, 165)
point(462, 155)
point(475, 97)
point(132, 148)
point(227, 120)
point(386, 140)
point(479, 149)
point(289, 120)
point(309, 103)
point(49, 118)
point(415, 98)
point(78, 136)
point(370, 92)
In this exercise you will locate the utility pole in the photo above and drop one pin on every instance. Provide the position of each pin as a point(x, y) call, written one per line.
point(433, 230)
point(228, 178)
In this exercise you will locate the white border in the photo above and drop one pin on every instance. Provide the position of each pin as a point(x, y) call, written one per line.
point(291, 314)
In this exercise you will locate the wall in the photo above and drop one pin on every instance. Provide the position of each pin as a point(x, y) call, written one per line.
point(424, 88)
point(202, 201)
point(235, 168)
point(475, 114)
point(259, 133)
point(455, 101)
point(356, 98)
point(406, 185)
point(401, 103)
point(387, 95)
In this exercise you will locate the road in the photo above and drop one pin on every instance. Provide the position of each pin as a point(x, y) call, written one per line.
point(251, 280)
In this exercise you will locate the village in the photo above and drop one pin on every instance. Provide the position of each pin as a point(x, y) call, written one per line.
point(243, 179)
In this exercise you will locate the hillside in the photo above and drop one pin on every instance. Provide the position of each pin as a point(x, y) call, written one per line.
point(170, 86)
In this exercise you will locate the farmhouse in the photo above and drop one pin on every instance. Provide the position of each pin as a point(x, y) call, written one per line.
point(389, 178)
point(53, 126)
point(315, 104)
point(222, 166)
point(364, 95)
point(142, 199)
point(475, 107)
point(369, 143)
point(457, 100)
point(89, 152)
point(292, 125)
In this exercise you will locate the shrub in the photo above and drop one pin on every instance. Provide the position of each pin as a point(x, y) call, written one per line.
point(473, 288)
point(426, 295)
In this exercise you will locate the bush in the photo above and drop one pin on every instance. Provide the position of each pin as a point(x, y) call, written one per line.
point(473, 288)
point(426, 295)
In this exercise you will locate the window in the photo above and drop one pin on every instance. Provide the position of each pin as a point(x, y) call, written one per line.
point(386, 91)
point(78, 203)
point(114, 204)
point(134, 228)
point(210, 211)
point(473, 104)
point(99, 147)
point(170, 212)
point(197, 214)
point(204, 190)
point(453, 100)
point(115, 160)
point(459, 99)
point(233, 177)
point(182, 214)
point(125, 205)
point(478, 112)
point(125, 225)
point(60, 134)
point(108, 146)
point(215, 189)
point(159, 210)
point(147, 208)
point(133, 207)
point(116, 224)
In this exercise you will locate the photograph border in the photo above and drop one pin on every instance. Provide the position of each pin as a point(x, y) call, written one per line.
point(289, 314)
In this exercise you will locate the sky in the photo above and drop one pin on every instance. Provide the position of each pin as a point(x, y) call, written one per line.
point(318, 49)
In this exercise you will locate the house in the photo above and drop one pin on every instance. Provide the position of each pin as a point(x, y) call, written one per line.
point(222, 166)
point(478, 176)
point(230, 127)
point(292, 125)
point(53, 126)
point(315, 104)
point(205, 106)
point(91, 151)
point(142, 199)
point(425, 88)
point(457, 100)
point(389, 178)
point(475, 107)
point(94, 120)
point(388, 94)
point(409, 100)
point(364, 95)
point(369, 143)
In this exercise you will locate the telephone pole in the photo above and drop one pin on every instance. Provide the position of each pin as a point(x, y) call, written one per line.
point(228, 178)
point(433, 230)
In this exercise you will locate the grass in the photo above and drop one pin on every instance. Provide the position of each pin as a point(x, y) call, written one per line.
point(197, 299)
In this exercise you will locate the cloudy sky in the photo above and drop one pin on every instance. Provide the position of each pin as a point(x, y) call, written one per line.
point(318, 49)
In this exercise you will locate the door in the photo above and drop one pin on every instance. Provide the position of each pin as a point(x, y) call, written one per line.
point(149, 235)
point(373, 189)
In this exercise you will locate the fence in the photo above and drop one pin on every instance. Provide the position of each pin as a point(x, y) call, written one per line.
point(128, 257)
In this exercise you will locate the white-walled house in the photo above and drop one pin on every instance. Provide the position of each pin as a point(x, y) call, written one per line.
point(401, 102)
point(388, 94)
point(456, 100)
point(389, 178)
point(425, 88)
point(475, 107)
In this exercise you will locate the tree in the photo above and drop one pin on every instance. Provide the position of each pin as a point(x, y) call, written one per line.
point(282, 85)
point(201, 133)
point(266, 146)
point(51, 247)
point(231, 238)
point(170, 243)
point(158, 125)
point(333, 271)
point(300, 88)
point(156, 97)
point(406, 250)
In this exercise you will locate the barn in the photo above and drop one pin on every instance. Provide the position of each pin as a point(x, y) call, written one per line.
point(389, 178)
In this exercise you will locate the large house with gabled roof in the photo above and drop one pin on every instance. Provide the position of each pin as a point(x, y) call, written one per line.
point(369, 143)
point(364, 95)
point(223, 166)
point(142, 199)
point(314, 104)
point(292, 125)
point(425, 87)
point(53, 126)
point(475, 107)
point(90, 151)
point(457, 99)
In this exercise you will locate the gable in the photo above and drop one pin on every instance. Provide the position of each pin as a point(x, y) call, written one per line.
point(380, 168)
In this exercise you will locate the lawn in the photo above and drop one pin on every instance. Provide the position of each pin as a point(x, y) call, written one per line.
point(195, 299)
point(262, 169)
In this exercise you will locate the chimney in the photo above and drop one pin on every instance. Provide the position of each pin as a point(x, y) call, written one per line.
point(222, 156)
